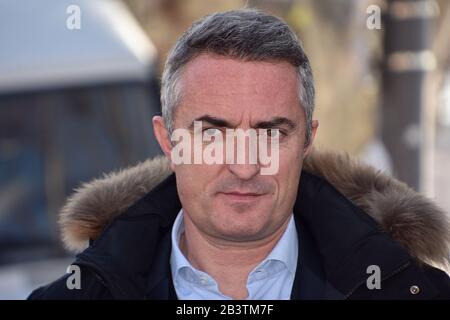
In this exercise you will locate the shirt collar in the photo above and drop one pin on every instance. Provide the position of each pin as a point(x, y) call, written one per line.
point(177, 259)
point(285, 251)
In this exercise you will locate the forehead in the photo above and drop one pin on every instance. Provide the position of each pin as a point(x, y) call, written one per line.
point(235, 88)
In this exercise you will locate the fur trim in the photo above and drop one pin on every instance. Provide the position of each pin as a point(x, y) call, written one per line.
point(420, 226)
point(89, 210)
point(407, 216)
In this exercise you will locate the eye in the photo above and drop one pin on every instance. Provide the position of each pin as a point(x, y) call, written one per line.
point(272, 132)
point(211, 132)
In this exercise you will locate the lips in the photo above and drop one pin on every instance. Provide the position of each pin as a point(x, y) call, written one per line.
point(241, 196)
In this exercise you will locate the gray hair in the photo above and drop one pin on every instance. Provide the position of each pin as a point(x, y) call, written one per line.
point(246, 34)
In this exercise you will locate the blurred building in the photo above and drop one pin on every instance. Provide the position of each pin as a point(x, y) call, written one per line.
point(74, 103)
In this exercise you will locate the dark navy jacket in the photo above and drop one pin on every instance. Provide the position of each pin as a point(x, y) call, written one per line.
point(337, 243)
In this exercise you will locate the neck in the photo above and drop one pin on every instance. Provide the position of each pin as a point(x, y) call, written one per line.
point(229, 263)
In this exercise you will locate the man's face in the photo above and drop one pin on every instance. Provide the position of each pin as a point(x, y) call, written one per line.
point(234, 202)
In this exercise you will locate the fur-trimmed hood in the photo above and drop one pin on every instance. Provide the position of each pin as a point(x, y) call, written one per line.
point(420, 226)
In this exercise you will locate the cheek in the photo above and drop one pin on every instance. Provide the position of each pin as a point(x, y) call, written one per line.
point(193, 180)
point(289, 172)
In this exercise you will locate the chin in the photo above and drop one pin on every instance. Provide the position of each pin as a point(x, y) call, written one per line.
point(240, 226)
point(241, 235)
point(245, 207)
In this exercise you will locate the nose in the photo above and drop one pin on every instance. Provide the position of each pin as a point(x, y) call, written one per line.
point(244, 171)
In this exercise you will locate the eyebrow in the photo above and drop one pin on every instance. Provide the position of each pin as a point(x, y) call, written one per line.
point(277, 122)
point(218, 122)
point(272, 123)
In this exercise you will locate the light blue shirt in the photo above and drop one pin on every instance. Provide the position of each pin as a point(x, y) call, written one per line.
point(272, 279)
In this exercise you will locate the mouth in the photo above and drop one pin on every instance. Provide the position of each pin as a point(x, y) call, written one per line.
point(241, 196)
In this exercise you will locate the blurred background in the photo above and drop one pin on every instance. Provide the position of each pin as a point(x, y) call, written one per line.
point(79, 84)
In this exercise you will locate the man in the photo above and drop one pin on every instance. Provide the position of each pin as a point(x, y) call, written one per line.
point(320, 227)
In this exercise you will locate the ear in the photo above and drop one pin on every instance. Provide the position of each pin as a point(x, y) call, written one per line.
point(308, 148)
point(162, 135)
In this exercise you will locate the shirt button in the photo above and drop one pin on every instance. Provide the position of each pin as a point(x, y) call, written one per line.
point(259, 272)
point(204, 280)
point(414, 289)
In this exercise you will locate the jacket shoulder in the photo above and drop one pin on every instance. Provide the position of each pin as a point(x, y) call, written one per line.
point(91, 287)
point(440, 280)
